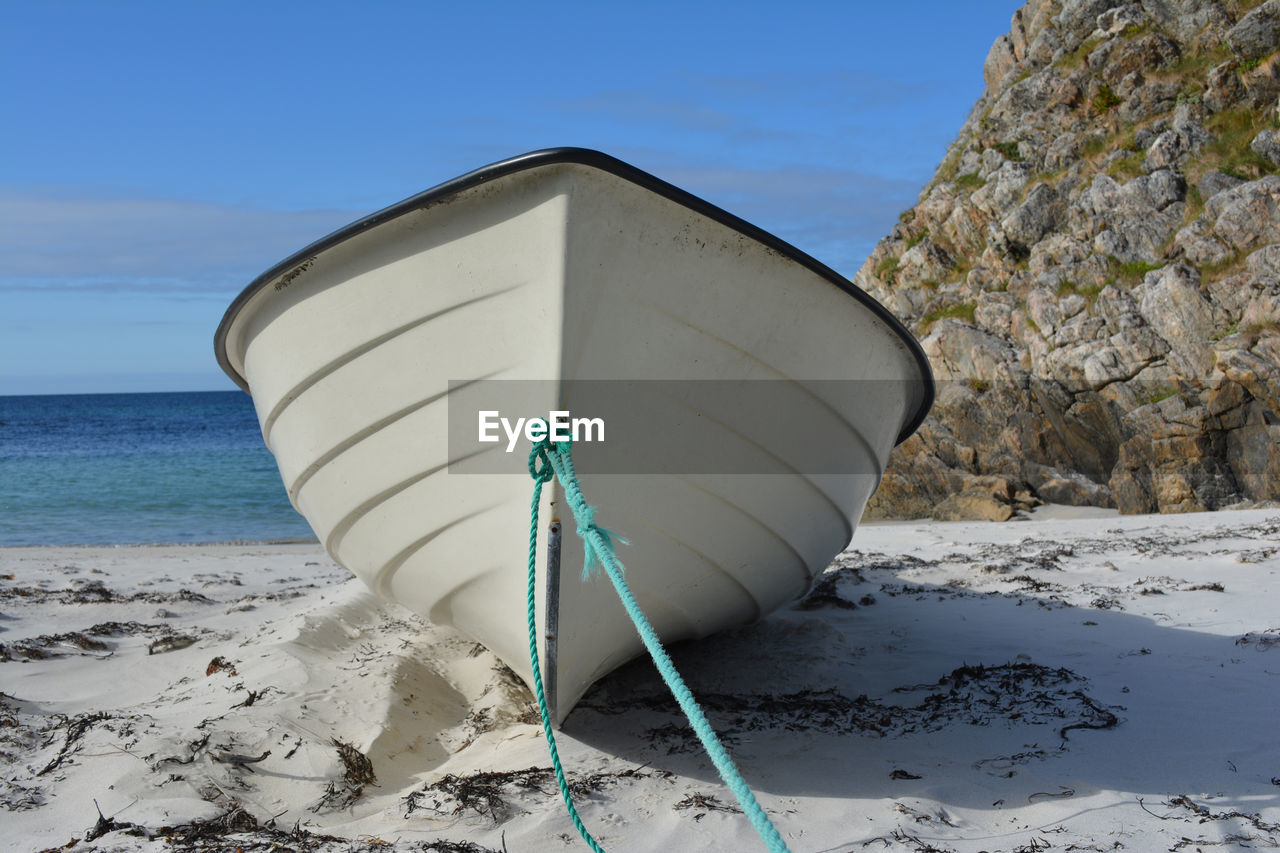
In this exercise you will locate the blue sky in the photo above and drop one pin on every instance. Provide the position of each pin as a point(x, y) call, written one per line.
point(156, 156)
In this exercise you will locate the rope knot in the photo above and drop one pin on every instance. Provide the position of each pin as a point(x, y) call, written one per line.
point(544, 472)
point(597, 549)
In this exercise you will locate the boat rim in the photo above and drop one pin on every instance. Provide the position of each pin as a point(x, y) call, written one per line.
point(606, 163)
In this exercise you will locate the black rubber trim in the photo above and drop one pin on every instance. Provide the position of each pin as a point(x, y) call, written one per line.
point(596, 160)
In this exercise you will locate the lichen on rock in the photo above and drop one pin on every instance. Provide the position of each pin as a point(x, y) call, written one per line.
point(1094, 270)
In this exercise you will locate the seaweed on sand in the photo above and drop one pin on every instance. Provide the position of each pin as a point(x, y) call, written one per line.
point(826, 593)
point(485, 793)
point(704, 803)
point(357, 766)
point(235, 828)
point(1269, 837)
point(76, 727)
point(48, 646)
point(1020, 693)
point(96, 592)
point(357, 772)
point(482, 793)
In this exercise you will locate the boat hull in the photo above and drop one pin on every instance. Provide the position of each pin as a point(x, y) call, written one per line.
point(365, 354)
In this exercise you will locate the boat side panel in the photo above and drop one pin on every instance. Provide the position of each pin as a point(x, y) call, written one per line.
point(431, 261)
point(350, 365)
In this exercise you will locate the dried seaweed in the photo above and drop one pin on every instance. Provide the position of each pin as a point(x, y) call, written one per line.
point(96, 592)
point(220, 664)
point(595, 782)
point(485, 793)
point(76, 728)
point(358, 767)
point(58, 645)
point(455, 847)
point(170, 642)
point(825, 593)
point(1202, 814)
point(705, 803)
point(1030, 584)
point(107, 825)
point(1016, 693)
point(240, 760)
point(481, 793)
point(48, 646)
point(357, 772)
point(899, 837)
point(1205, 814)
point(1261, 640)
point(15, 797)
point(235, 828)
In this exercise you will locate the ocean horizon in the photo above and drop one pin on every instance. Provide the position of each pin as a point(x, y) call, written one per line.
point(139, 468)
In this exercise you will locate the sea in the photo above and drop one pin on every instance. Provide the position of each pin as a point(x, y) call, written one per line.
point(123, 469)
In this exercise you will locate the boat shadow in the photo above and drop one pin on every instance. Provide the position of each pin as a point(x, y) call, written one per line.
point(977, 700)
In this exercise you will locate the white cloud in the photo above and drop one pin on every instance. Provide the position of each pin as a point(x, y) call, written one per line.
point(155, 245)
point(196, 250)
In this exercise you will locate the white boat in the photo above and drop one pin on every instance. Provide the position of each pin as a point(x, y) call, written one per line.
point(576, 270)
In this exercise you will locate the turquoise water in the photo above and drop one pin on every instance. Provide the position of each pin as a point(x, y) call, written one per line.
point(138, 468)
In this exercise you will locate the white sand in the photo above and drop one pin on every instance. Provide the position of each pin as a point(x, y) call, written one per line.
point(1069, 684)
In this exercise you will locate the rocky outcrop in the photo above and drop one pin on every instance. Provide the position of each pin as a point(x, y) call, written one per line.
point(1095, 269)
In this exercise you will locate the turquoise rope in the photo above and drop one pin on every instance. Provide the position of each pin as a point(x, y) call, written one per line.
point(540, 476)
point(599, 548)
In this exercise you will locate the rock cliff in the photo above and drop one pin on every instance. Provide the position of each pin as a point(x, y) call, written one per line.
point(1094, 270)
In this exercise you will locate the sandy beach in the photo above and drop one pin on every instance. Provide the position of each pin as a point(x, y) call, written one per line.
point(1061, 683)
